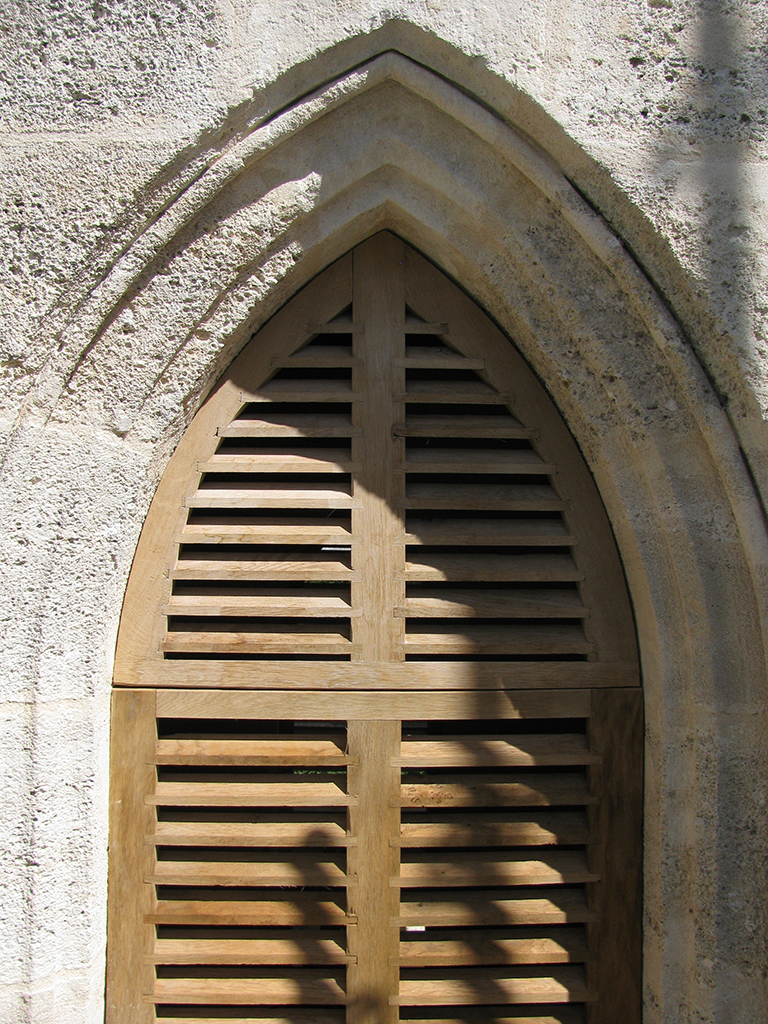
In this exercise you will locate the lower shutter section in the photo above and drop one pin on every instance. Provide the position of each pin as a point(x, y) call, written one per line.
point(494, 876)
point(329, 871)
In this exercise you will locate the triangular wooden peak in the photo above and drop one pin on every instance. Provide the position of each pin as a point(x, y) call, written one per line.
point(378, 495)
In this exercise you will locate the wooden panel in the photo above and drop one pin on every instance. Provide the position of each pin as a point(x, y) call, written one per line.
point(493, 497)
point(453, 393)
point(450, 602)
point(490, 946)
point(383, 676)
point(467, 426)
point(489, 751)
point(536, 829)
point(494, 907)
point(266, 460)
point(290, 424)
point(132, 775)
point(296, 909)
point(486, 790)
point(309, 390)
point(307, 495)
point(294, 868)
point(493, 567)
point(446, 869)
point(361, 706)
point(481, 460)
point(265, 530)
point(292, 1016)
point(477, 987)
point(539, 532)
point(279, 791)
point(306, 946)
point(308, 986)
point(314, 750)
point(309, 832)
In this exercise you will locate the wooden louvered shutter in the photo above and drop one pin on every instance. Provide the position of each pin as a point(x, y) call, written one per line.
point(377, 720)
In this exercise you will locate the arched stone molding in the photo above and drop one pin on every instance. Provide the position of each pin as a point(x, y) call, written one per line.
point(393, 145)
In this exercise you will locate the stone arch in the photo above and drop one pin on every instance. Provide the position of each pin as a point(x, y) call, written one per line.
point(392, 144)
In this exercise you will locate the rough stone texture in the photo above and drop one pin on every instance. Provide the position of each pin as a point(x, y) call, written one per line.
point(166, 189)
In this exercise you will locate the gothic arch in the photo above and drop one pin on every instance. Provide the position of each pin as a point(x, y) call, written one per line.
point(392, 145)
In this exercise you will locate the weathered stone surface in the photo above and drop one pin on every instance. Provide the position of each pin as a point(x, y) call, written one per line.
point(167, 187)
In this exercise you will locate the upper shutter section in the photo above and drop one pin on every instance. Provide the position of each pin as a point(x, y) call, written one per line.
point(378, 494)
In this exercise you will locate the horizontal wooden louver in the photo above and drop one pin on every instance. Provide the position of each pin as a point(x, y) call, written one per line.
point(264, 565)
point(489, 573)
point(250, 838)
point(494, 869)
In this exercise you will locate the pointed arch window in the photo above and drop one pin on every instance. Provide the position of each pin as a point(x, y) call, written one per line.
point(377, 727)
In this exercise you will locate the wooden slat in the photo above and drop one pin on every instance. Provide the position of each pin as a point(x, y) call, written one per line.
point(490, 497)
point(309, 390)
point(359, 706)
point(460, 567)
point(306, 986)
point(495, 791)
point(265, 460)
point(294, 869)
point(562, 1015)
point(324, 565)
point(441, 869)
point(468, 460)
point(290, 424)
point(555, 828)
point(454, 530)
point(493, 985)
point(490, 751)
point(550, 945)
point(342, 325)
point(414, 325)
point(297, 1016)
point(433, 357)
point(296, 908)
point(219, 643)
point(304, 495)
point(281, 791)
point(444, 602)
point(296, 833)
point(429, 676)
point(477, 639)
point(306, 946)
point(494, 907)
point(466, 425)
point(265, 530)
point(326, 749)
point(462, 392)
point(319, 355)
point(288, 603)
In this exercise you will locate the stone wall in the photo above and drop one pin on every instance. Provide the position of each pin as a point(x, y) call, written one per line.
point(594, 174)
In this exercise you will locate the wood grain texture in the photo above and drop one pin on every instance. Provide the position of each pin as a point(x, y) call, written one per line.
point(616, 736)
point(132, 778)
point(373, 863)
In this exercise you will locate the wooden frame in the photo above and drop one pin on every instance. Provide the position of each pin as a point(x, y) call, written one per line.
point(377, 523)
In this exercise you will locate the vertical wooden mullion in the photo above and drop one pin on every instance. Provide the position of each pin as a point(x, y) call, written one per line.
point(615, 970)
point(379, 340)
point(373, 866)
point(378, 489)
point(130, 941)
